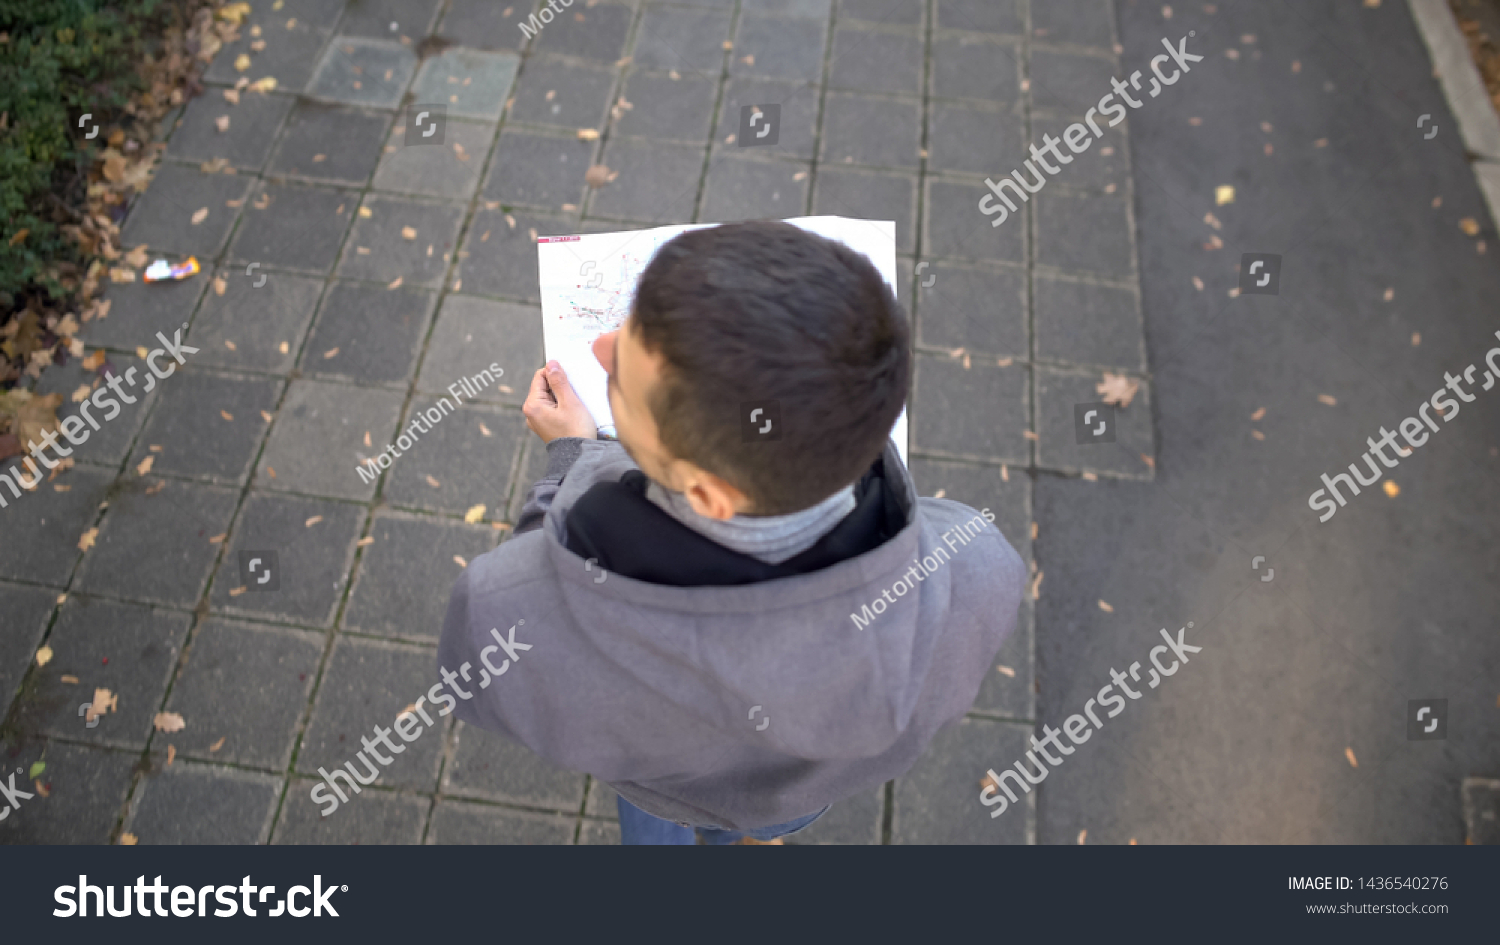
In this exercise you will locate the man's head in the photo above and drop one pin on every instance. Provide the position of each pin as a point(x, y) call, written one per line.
point(734, 316)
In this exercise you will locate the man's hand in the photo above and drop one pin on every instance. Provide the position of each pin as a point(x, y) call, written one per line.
point(552, 408)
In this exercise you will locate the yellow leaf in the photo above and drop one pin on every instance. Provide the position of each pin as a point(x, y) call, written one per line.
point(127, 839)
point(408, 233)
point(1224, 194)
point(474, 514)
point(262, 85)
point(588, 134)
point(82, 394)
point(241, 62)
point(44, 656)
point(145, 466)
point(87, 540)
point(366, 212)
point(1391, 489)
point(1469, 225)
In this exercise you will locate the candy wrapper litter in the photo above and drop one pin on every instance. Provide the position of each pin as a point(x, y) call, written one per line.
point(162, 270)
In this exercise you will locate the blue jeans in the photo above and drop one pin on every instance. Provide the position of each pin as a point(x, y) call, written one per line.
point(639, 827)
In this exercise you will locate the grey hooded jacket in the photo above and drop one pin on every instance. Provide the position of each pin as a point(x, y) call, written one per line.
point(742, 706)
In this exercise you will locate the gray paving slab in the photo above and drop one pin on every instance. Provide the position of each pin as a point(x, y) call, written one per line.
point(117, 424)
point(138, 310)
point(473, 334)
point(1076, 22)
point(990, 16)
point(28, 610)
point(313, 543)
point(599, 833)
point(53, 520)
point(470, 82)
point(502, 258)
point(564, 93)
point(450, 171)
point(945, 391)
point(377, 333)
point(458, 822)
point(937, 801)
point(373, 816)
point(856, 819)
point(1088, 324)
point(198, 803)
point(155, 541)
point(479, 25)
point(597, 32)
point(190, 435)
point(1069, 83)
point(1058, 395)
point(249, 130)
point(880, 132)
point(389, 19)
point(162, 218)
point(964, 138)
point(891, 13)
point(812, 9)
point(544, 171)
point(490, 766)
point(970, 66)
point(667, 109)
point(748, 189)
point(952, 225)
point(366, 684)
point(367, 72)
point(797, 133)
point(602, 801)
point(684, 40)
point(293, 39)
point(1103, 163)
point(125, 648)
point(865, 195)
point(330, 143)
point(872, 60)
point(254, 326)
point(88, 787)
point(378, 250)
point(397, 594)
point(290, 227)
point(778, 47)
point(243, 690)
point(974, 308)
point(533, 468)
point(320, 435)
point(1481, 805)
point(1088, 233)
point(457, 465)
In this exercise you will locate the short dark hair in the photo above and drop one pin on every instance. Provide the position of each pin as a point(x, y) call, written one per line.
point(765, 311)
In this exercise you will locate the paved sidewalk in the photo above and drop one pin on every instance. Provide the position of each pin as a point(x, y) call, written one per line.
point(353, 270)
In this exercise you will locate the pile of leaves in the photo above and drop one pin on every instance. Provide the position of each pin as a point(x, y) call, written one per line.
point(84, 87)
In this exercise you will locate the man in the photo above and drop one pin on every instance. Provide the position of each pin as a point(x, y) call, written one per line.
point(735, 618)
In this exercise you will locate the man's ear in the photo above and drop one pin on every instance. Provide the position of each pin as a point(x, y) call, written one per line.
point(711, 496)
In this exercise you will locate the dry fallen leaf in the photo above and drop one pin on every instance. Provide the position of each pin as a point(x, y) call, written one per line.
point(232, 96)
point(262, 85)
point(1391, 489)
point(1389, 294)
point(396, 284)
point(408, 233)
point(227, 415)
point(1006, 671)
point(367, 540)
point(218, 744)
point(1257, 415)
point(218, 538)
point(330, 353)
point(433, 482)
point(237, 591)
point(1117, 389)
point(312, 521)
point(474, 514)
point(199, 216)
point(87, 540)
point(144, 466)
point(42, 789)
point(168, 722)
point(70, 680)
point(1257, 434)
point(596, 176)
point(222, 123)
point(366, 213)
point(44, 656)
point(241, 62)
point(220, 285)
point(82, 393)
point(1082, 836)
point(1104, 606)
point(1327, 399)
point(1223, 194)
point(127, 839)
point(484, 430)
point(588, 134)
point(1469, 225)
point(104, 701)
point(1349, 753)
point(1036, 586)
point(171, 754)
point(458, 560)
point(1416, 338)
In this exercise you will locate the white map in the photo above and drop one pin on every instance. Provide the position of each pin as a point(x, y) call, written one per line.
point(588, 284)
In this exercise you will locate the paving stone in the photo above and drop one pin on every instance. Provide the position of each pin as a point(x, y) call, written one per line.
point(989, 16)
point(799, 114)
point(599, 35)
point(502, 258)
point(318, 13)
point(685, 40)
point(162, 217)
point(778, 48)
point(318, 441)
point(376, 332)
point(243, 689)
point(398, 594)
point(955, 227)
point(977, 67)
point(813, 9)
point(559, 92)
point(336, 78)
point(52, 521)
point(979, 310)
point(450, 170)
point(257, 321)
point(1481, 810)
point(289, 54)
point(108, 444)
point(493, 767)
point(854, 819)
point(1069, 84)
point(533, 468)
point(866, 60)
point(197, 803)
point(603, 801)
point(883, 12)
point(970, 139)
point(667, 109)
point(938, 800)
point(1057, 393)
point(469, 467)
point(329, 143)
point(369, 818)
point(373, 18)
point(536, 170)
point(1082, 232)
point(88, 789)
point(877, 131)
point(1088, 324)
point(194, 438)
point(157, 548)
point(1102, 163)
point(600, 833)
point(945, 397)
point(140, 645)
point(368, 683)
point(138, 310)
point(313, 559)
point(747, 189)
point(457, 822)
point(245, 144)
point(474, 23)
point(1001, 694)
point(391, 255)
point(472, 334)
point(1080, 22)
point(471, 83)
point(27, 611)
point(296, 228)
point(868, 196)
